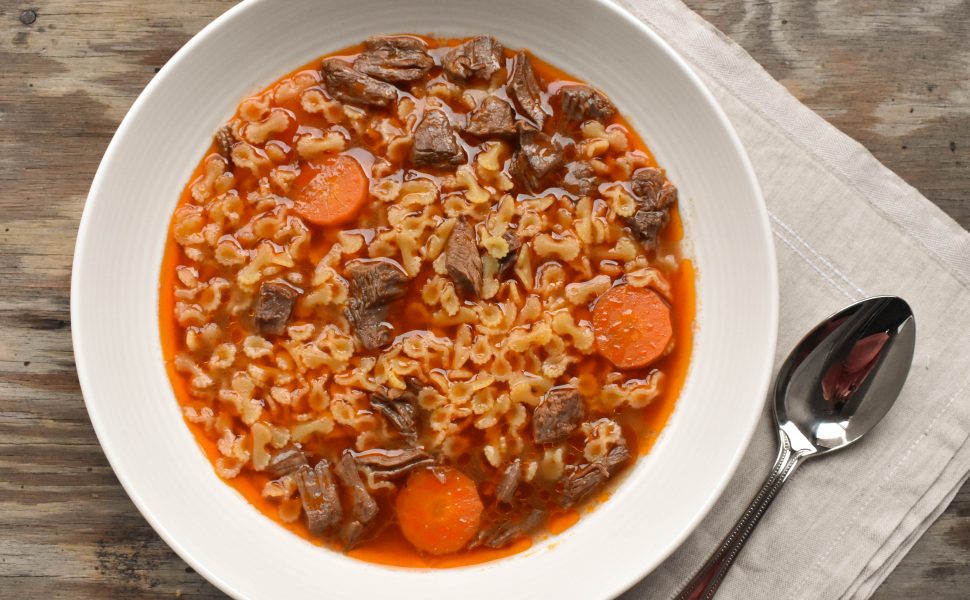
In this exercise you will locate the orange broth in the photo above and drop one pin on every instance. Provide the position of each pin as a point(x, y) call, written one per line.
point(390, 547)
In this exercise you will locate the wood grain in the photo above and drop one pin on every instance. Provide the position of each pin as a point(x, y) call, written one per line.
point(892, 75)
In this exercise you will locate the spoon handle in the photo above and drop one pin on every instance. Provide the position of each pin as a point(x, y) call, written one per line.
point(708, 579)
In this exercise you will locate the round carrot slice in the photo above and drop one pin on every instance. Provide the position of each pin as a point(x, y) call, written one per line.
point(439, 516)
point(632, 326)
point(331, 191)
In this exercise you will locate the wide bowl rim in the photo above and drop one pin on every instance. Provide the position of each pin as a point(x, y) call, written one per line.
point(135, 112)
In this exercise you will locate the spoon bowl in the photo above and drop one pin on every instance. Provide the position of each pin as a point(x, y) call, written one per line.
point(845, 374)
point(835, 386)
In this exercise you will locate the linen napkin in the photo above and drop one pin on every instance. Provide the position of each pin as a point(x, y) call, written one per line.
point(845, 227)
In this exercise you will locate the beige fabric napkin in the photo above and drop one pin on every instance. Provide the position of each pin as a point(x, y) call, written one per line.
point(845, 227)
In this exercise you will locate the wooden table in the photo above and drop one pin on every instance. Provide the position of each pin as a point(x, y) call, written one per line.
point(892, 75)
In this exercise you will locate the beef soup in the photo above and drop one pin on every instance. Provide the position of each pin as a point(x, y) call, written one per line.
point(423, 300)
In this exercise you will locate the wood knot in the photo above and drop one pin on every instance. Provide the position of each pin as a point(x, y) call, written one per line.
point(28, 16)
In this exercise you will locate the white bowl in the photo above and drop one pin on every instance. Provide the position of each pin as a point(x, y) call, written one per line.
point(114, 299)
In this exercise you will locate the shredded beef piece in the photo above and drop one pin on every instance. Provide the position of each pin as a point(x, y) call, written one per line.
point(580, 178)
point(363, 507)
point(286, 461)
point(502, 533)
point(515, 244)
point(400, 412)
point(580, 482)
point(557, 415)
point(524, 89)
point(462, 259)
point(374, 284)
point(646, 184)
point(394, 58)
point(667, 196)
point(318, 492)
point(536, 161)
point(351, 534)
point(224, 142)
point(492, 118)
point(392, 464)
point(353, 87)
point(581, 102)
point(435, 143)
point(647, 225)
point(505, 491)
point(412, 388)
point(273, 307)
point(654, 196)
point(479, 57)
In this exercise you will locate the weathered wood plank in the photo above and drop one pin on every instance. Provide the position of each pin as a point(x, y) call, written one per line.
point(891, 75)
point(66, 80)
point(68, 75)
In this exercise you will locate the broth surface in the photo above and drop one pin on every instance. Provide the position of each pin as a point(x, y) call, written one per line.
point(248, 396)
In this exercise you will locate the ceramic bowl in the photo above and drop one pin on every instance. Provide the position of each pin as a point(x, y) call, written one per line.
point(114, 300)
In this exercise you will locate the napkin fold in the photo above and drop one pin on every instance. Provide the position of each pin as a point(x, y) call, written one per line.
point(845, 228)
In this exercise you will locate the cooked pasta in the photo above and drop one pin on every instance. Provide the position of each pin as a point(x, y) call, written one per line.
point(392, 262)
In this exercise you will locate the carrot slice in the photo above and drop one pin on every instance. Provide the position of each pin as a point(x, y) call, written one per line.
point(439, 517)
point(331, 191)
point(632, 326)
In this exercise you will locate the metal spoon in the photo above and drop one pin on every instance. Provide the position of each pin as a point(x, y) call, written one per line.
point(838, 382)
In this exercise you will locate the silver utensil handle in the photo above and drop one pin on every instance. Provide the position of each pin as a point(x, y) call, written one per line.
point(708, 579)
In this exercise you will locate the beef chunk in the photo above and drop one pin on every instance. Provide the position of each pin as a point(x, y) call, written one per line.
point(479, 57)
point(580, 482)
point(654, 196)
point(524, 89)
point(492, 118)
point(502, 533)
point(401, 412)
point(652, 190)
point(273, 307)
point(376, 281)
point(538, 158)
point(647, 225)
point(318, 492)
point(435, 144)
point(505, 491)
point(224, 142)
point(580, 178)
point(286, 461)
point(557, 415)
point(394, 58)
point(363, 507)
point(374, 284)
point(392, 464)
point(515, 244)
point(353, 87)
point(462, 260)
point(351, 534)
point(581, 102)
point(667, 196)
point(646, 184)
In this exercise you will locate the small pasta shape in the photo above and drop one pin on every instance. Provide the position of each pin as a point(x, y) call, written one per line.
point(310, 147)
point(563, 247)
point(277, 121)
